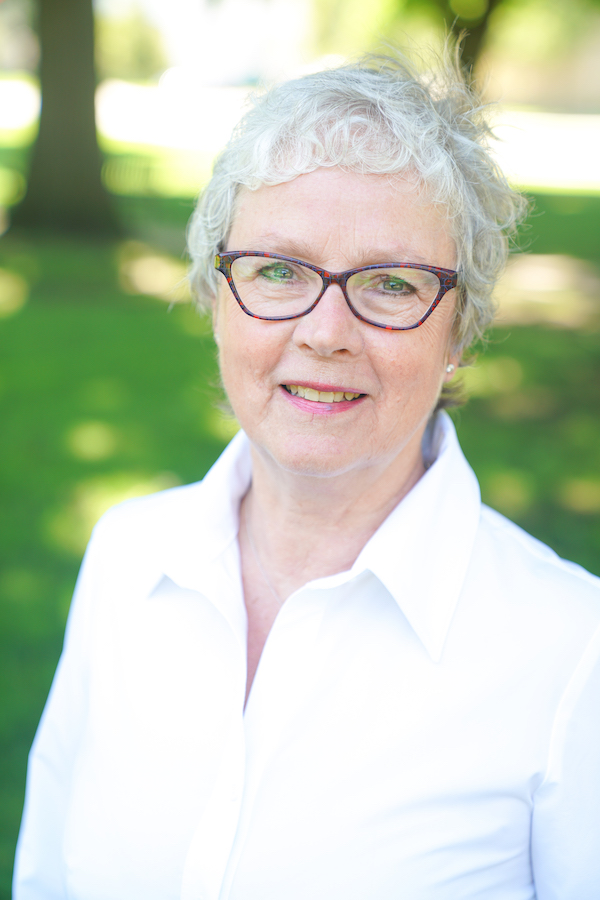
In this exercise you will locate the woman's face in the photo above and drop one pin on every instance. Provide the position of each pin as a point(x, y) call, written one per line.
point(337, 220)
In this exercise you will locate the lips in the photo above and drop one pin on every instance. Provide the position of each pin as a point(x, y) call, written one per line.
point(307, 393)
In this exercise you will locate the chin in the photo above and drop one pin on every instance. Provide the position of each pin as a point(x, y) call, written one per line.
point(324, 458)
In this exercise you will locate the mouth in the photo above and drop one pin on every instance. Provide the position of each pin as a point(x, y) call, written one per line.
point(307, 393)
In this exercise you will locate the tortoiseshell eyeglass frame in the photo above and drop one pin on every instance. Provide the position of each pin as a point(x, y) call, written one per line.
point(448, 279)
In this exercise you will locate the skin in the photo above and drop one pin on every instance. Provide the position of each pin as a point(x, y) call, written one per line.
point(325, 477)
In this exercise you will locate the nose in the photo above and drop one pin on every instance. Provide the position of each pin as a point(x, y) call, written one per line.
point(331, 329)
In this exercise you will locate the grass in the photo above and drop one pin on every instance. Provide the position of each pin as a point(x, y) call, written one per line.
point(104, 394)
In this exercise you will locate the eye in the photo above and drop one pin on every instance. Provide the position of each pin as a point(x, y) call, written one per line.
point(383, 283)
point(277, 272)
point(395, 285)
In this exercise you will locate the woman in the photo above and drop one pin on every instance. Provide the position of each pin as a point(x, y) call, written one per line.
point(327, 670)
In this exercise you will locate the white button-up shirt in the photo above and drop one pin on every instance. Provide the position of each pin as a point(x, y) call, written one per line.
point(425, 726)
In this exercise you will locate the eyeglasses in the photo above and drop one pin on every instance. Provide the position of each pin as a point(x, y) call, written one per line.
point(395, 296)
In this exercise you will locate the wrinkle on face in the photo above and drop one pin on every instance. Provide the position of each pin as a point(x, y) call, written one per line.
point(337, 220)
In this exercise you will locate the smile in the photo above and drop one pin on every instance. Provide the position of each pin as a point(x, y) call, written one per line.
point(320, 396)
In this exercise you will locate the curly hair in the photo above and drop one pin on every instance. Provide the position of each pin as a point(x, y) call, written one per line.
point(376, 115)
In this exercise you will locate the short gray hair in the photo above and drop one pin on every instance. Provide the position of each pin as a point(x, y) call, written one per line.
point(377, 115)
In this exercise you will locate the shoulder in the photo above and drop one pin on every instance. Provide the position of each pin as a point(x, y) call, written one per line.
point(531, 552)
point(133, 541)
point(161, 513)
point(532, 574)
point(188, 517)
point(174, 532)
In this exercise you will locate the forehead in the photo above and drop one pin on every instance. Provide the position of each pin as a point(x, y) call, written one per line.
point(337, 218)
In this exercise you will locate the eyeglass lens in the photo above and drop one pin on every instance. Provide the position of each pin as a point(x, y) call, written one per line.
point(395, 296)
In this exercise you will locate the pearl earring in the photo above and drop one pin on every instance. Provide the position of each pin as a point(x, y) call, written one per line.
point(450, 368)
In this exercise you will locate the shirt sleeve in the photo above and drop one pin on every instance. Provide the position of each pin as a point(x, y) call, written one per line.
point(566, 818)
point(39, 866)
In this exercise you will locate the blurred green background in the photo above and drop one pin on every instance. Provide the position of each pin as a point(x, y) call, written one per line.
point(108, 377)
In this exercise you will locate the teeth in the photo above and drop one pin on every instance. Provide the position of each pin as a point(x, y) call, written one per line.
point(321, 396)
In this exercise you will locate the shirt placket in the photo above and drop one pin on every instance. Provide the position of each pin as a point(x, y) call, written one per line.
point(210, 850)
point(211, 844)
point(287, 670)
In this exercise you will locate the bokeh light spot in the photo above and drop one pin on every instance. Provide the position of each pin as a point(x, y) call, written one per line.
point(20, 103)
point(581, 495)
point(549, 289)
point(508, 491)
point(534, 402)
point(12, 186)
point(92, 441)
point(144, 271)
point(70, 526)
point(13, 293)
point(493, 376)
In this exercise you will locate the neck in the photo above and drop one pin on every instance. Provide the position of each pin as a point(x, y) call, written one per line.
point(306, 527)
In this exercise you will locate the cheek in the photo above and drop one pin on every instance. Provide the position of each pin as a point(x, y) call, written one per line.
point(249, 353)
point(411, 365)
point(413, 356)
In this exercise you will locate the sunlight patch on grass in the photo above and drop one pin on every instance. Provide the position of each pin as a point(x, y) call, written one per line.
point(581, 495)
point(12, 186)
point(70, 527)
point(508, 491)
point(534, 401)
point(549, 289)
point(536, 149)
point(496, 375)
point(144, 271)
point(155, 171)
point(20, 102)
point(175, 113)
point(92, 441)
point(14, 291)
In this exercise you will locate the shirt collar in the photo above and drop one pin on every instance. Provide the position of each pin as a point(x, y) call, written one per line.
point(206, 521)
point(420, 553)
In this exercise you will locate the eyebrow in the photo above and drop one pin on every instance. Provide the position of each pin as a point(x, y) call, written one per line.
point(271, 242)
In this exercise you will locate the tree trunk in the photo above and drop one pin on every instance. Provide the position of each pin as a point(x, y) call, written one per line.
point(473, 35)
point(65, 192)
